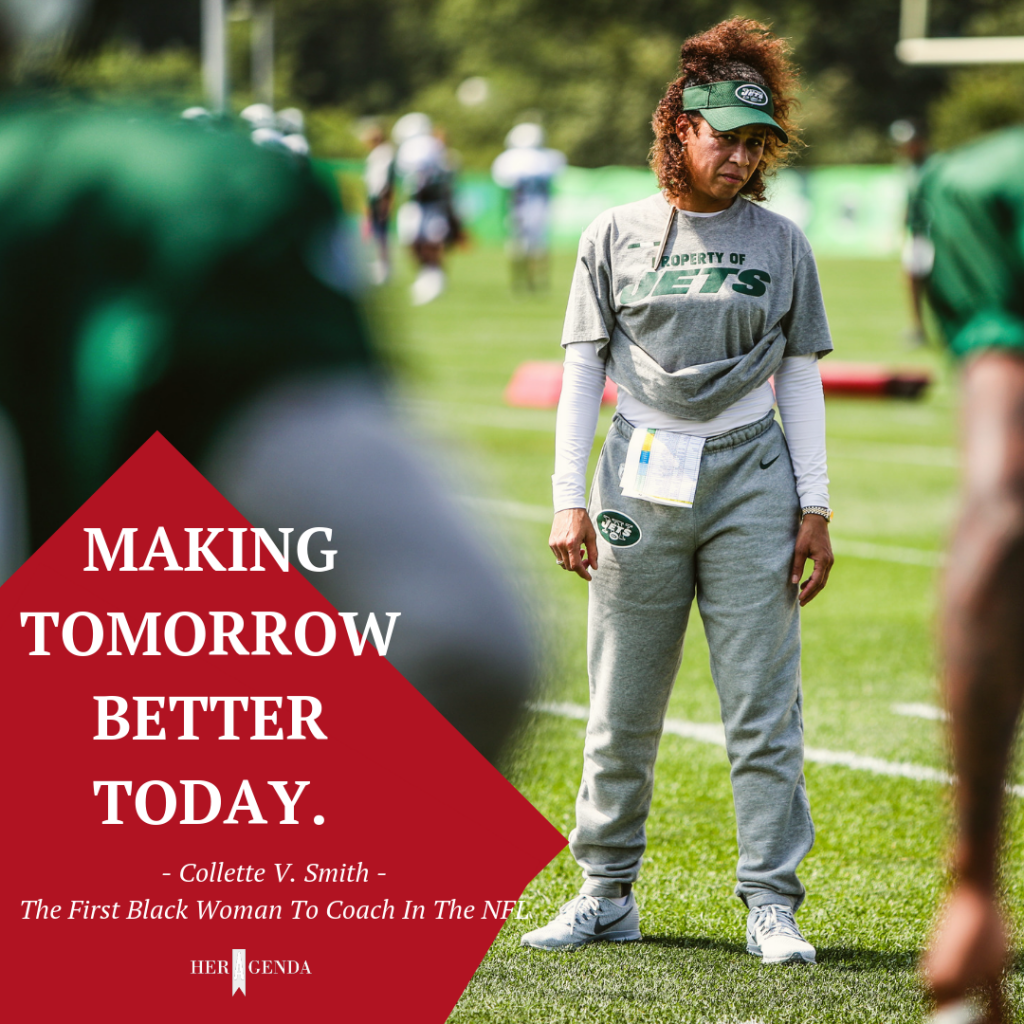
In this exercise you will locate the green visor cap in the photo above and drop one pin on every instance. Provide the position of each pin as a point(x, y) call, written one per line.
point(727, 106)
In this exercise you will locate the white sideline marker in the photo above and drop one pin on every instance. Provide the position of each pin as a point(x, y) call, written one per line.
point(706, 733)
point(929, 711)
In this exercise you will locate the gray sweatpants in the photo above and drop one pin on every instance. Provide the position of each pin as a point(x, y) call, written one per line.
point(734, 549)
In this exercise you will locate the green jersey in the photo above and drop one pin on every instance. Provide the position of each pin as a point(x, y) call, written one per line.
point(970, 203)
point(154, 275)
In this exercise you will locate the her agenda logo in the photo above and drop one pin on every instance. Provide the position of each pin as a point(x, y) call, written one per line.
point(238, 967)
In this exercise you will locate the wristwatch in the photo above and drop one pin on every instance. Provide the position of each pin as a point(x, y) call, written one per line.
point(816, 510)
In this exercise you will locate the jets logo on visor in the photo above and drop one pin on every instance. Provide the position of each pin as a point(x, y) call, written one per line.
point(752, 94)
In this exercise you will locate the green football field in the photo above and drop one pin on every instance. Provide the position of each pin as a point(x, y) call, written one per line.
point(875, 744)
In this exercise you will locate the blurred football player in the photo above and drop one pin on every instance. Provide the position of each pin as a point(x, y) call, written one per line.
point(379, 178)
point(426, 221)
point(527, 170)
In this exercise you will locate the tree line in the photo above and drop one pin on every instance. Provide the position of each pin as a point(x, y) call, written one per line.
point(590, 70)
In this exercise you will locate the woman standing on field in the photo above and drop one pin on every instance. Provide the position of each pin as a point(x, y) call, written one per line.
point(691, 300)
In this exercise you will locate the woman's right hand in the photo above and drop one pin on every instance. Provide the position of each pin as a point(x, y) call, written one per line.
point(573, 541)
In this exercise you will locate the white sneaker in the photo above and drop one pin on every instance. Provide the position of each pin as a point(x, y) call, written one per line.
point(428, 285)
point(587, 919)
point(772, 934)
point(957, 1013)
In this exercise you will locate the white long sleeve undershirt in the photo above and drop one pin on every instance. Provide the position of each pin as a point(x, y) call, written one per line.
point(798, 393)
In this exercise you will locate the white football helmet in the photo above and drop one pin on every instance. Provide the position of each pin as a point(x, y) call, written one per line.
point(410, 126)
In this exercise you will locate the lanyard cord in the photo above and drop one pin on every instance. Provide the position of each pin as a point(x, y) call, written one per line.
point(664, 237)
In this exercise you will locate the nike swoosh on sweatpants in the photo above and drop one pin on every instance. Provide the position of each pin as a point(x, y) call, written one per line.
point(765, 465)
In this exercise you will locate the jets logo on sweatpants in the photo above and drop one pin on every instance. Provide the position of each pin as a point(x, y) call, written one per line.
point(618, 529)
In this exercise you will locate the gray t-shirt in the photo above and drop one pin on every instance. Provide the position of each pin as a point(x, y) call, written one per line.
point(733, 295)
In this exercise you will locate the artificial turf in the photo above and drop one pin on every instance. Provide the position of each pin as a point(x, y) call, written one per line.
point(876, 873)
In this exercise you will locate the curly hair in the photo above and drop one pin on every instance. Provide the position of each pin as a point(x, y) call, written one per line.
point(740, 50)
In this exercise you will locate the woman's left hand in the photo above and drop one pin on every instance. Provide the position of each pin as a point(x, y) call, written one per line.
point(812, 542)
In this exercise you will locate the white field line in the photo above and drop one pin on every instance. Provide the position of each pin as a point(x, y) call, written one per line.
point(509, 509)
point(463, 413)
point(850, 548)
point(888, 553)
point(716, 734)
point(543, 421)
point(929, 711)
point(904, 454)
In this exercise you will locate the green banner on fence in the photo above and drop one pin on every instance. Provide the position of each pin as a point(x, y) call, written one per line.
point(855, 211)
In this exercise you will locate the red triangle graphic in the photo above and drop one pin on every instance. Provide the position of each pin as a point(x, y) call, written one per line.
point(412, 814)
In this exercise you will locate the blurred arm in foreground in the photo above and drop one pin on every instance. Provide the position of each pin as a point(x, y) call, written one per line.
point(983, 629)
point(971, 202)
point(163, 276)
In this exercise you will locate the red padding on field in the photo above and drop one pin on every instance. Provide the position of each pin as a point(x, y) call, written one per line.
point(872, 379)
point(537, 385)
